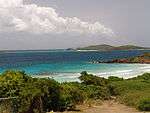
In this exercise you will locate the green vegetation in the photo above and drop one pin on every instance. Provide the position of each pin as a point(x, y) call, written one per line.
point(134, 92)
point(36, 95)
point(129, 47)
point(31, 93)
point(144, 104)
point(113, 78)
point(144, 58)
point(105, 47)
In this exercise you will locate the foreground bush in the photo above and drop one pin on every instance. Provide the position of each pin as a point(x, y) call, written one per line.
point(31, 93)
point(113, 78)
point(72, 95)
point(37, 95)
point(133, 91)
point(90, 79)
point(144, 104)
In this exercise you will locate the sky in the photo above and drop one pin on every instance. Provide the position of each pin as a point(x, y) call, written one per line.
point(56, 24)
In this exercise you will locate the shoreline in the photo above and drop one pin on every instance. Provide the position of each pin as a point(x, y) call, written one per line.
point(141, 59)
point(72, 77)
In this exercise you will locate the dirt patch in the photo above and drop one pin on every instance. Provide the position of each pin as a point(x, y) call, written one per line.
point(107, 107)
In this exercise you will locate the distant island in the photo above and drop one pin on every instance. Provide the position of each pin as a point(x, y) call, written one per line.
point(142, 59)
point(105, 47)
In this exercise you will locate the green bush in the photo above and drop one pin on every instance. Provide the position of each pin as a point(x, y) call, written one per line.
point(90, 79)
point(35, 95)
point(113, 78)
point(132, 91)
point(30, 92)
point(113, 90)
point(144, 104)
point(144, 77)
point(72, 94)
point(94, 86)
point(96, 92)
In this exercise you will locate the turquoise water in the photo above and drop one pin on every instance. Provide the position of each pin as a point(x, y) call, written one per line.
point(67, 65)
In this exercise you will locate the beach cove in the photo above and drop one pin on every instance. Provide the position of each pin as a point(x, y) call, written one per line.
point(65, 65)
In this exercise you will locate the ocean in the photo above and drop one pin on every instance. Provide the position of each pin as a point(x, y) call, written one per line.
point(66, 65)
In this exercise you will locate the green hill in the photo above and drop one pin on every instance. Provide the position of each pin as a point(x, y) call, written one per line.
point(105, 47)
point(129, 47)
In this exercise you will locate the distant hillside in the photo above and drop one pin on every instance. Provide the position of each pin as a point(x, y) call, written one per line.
point(105, 47)
point(142, 59)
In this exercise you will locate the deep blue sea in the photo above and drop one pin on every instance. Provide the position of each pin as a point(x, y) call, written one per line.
point(65, 65)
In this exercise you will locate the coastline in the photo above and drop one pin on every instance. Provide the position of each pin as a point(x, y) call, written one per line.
point(67, 65)
point(123, 73)
point(84, 50)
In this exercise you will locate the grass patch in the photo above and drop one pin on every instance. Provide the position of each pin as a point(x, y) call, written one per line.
point(134, 92)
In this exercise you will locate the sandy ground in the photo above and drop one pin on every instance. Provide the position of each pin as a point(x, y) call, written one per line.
point(108, 107)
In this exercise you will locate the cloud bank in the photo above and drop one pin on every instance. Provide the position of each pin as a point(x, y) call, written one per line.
point(15, 16)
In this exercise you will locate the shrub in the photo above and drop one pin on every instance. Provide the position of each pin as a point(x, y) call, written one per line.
point(71, 94)
point(132, 91)
point(96, 92)
point(38, 95)
point(113, 78)
point(144, 104)
point(95, 87)
point(113, 90)
point(89, 79)
point(30, 92)
point(144, 77)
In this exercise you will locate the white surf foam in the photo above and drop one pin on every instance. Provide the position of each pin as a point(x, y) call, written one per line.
point(126, 73)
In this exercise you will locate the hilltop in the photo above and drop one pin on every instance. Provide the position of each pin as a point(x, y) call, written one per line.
point(105, 47)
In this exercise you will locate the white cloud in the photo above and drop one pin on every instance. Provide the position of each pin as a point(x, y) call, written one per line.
point(16, 16)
